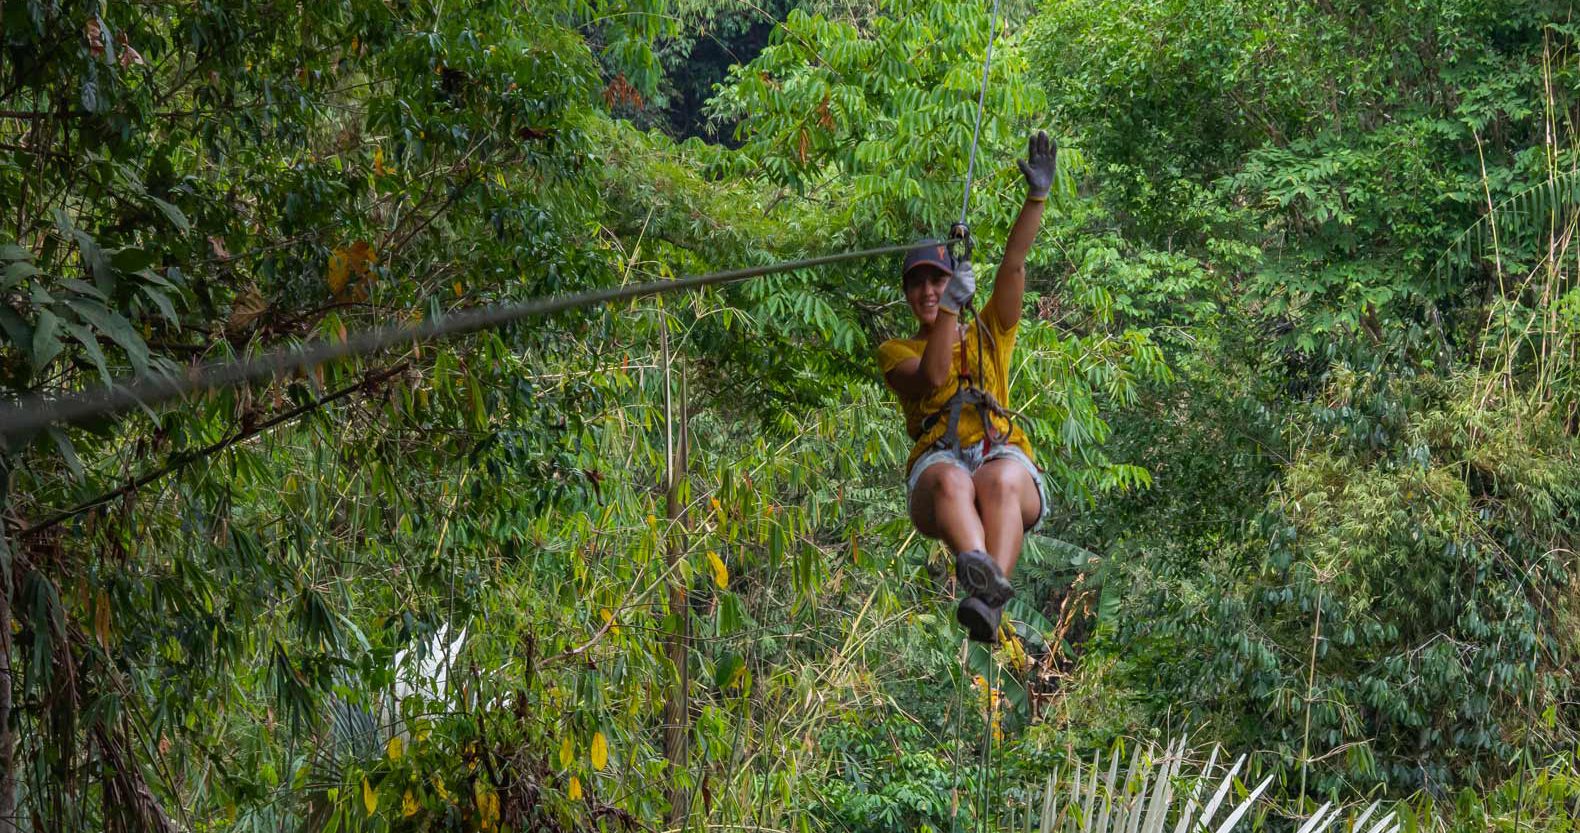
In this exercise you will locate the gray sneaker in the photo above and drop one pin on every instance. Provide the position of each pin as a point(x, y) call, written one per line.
point(982, 578)
point(979, 619)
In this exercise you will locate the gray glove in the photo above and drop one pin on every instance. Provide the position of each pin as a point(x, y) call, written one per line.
point(962, 286)
point(1041, 155)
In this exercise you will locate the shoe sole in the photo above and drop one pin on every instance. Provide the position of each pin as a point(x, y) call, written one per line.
point(981, 578)
point(976, 625)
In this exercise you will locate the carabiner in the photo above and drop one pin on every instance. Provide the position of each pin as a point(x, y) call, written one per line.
point(960, 233)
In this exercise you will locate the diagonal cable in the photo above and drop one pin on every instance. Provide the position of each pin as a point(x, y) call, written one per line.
point(976, 132)
point(34, 413)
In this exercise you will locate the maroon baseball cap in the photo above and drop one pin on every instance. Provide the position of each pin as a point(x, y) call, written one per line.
point(928, 253)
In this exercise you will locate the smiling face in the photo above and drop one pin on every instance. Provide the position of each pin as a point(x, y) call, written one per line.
point(924, 287)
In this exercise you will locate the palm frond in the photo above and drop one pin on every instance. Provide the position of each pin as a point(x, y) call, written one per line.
point(1548, 205)
point(1143, 797)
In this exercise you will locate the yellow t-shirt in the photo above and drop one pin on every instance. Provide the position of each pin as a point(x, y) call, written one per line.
point(997, 348)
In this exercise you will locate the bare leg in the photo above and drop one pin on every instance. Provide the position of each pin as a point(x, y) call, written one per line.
point(944, 507)
point(1006, 503)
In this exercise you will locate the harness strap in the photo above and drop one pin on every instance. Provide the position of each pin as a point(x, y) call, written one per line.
point(987, 407)
point(967, 392)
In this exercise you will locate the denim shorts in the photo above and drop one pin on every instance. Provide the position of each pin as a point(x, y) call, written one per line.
point(969, 459)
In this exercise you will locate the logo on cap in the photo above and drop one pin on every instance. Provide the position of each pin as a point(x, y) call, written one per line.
point(928, 253)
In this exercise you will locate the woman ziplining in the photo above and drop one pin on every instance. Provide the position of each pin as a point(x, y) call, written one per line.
point(970, 480)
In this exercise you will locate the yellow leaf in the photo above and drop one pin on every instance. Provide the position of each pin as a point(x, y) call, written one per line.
point(395, 748)
point(721, 574)
point(339, 272)
point(370, 799)
point(350, 270)
point(408, 804)
point(438, 787)
point(487, 805)
point(608, 616)
point(575, 791)
point(567, 753)
point(490, 810)
point(600, 751)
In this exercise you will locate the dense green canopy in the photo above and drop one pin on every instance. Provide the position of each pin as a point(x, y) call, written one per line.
point(1299, 359)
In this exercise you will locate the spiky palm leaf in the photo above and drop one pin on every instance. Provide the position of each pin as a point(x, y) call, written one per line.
point(1141, 798)
point(1549, 206)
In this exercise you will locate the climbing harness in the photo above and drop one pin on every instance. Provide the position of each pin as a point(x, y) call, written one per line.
point(968, 390)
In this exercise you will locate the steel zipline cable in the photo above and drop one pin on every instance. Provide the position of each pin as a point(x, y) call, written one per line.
point(35, 413)
point(976, 131)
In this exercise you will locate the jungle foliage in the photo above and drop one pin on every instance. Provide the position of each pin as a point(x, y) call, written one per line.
point(1299, 359)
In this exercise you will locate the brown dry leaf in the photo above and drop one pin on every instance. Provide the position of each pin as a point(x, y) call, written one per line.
point(217, 246)
point(247, 308)
point(101, 620)
point(95, 35)
point(128, 56)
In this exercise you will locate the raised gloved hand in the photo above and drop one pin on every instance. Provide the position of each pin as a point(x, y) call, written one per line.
point(1041, 155)
point(962, 286)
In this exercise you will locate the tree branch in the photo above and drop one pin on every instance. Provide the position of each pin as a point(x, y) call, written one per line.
point(184, 459)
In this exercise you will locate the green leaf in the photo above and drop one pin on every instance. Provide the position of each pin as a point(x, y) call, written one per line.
point(131, 259)
point(68, 452)
point(728, 671)
point(17, 331)
point(16, 272)
point(1108, 606)
point(81, 288)
point(90, 344)
point(161, 300)
point(114, 325)
point(730, 617)
point(46, 344)
point(176, 217)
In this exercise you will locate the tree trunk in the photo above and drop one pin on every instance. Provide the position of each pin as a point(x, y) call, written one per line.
point(8, 820)
point(677, 720)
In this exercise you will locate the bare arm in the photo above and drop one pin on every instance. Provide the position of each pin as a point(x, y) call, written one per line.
point(916, 378)
point(1009, 285)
